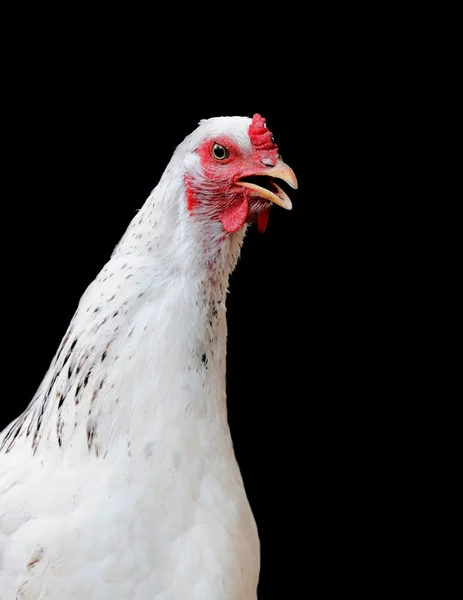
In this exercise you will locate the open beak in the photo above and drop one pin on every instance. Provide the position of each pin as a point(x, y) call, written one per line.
point(262, 183)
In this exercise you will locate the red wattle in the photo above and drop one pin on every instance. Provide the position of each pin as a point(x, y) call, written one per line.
point(234, 217)
point(262, 220)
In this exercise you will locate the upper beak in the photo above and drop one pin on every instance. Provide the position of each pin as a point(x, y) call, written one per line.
point(272, 193)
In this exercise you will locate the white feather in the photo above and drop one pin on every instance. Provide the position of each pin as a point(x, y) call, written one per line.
point(126, 485)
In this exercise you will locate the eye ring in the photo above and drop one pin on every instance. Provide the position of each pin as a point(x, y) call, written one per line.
point(219, 152)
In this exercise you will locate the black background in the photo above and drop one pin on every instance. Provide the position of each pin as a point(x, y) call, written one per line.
point(87, 132)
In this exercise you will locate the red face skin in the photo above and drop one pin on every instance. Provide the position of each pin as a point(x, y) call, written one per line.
point(219, 195)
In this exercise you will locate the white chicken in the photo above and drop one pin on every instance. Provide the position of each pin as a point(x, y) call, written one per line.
point(119, 481)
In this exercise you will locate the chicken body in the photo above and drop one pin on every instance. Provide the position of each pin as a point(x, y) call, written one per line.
point(120, 480)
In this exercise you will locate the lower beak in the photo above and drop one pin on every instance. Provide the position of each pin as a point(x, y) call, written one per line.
point(272, 193)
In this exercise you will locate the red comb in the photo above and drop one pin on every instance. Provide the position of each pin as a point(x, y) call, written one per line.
point(261, 136)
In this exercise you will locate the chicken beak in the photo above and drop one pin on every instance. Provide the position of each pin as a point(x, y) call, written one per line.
point(276, 195)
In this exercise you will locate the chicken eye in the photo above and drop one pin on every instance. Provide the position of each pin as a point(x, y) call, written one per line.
point(219, 152)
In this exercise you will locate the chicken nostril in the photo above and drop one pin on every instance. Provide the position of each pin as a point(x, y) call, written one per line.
point(268, 162)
